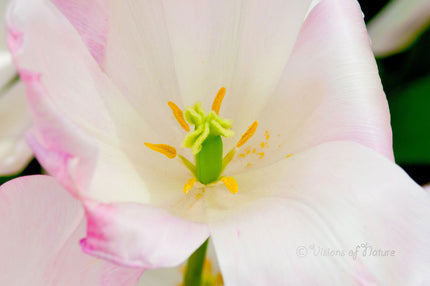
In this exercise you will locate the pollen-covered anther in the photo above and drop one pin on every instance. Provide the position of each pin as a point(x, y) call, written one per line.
point(190, 183)
point(216, 105)
point(231, 184)
point(167, 150)
point(179, 115)
point(248, 134)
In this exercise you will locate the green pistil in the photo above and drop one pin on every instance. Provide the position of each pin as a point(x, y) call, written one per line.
point(205, 141)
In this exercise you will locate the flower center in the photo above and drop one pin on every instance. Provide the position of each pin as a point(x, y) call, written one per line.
point(205, 143)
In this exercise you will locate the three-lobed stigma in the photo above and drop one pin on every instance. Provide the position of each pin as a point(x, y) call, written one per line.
point(205, 142)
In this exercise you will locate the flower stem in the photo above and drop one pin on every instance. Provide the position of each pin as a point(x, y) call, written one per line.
point(193, 274)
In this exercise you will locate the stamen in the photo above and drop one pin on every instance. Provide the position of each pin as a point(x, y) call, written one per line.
point(216, 105)
point(189, 185)
point(177, 112)
point(167, 150)
point(230, 184)
point(248, 134)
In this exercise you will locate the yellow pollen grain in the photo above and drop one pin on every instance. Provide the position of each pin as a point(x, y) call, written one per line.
point(261, 154)
point(242, 155)
point(248, 134)
point(267, 137)
point(249, 165)
point(230, 184)
point(248, 151)
point(262, 144)
point(216, 105)
point(253, 151)
point(167, 150)
point(288, 156)
point(179, 115)
point(190, 183)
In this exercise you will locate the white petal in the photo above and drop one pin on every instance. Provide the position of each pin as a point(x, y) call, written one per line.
point(7, 70)
point(338, 196)
point(68, 88)
point(15, 119)
point(329, 90)
point(163, 50)
point(398, 25)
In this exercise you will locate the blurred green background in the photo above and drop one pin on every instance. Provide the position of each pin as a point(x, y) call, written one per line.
point(406, 80)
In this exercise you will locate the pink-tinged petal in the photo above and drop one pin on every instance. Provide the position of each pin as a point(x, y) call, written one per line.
point(91, 20)
point(142, 236)
point(398, 25)
point(39, 239)
point(330, 90)
point(72, 80)
point(15, 119)
point(62, 149)
point(83, 125)
point(427, 188)
point(338, 196)
point(186, 51)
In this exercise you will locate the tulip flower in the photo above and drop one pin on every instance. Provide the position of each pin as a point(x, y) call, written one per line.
point(14, 115)
point(293, 155)
point(398, 25)
point(41, 224)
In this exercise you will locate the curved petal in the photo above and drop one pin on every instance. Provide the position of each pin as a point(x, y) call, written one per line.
point(156, 51)
point(91, 20)
point(398, 25)
point(41, 226)
point(142, 236)
point(338, 214)
point(173, 50)
point(15, 119)
point(83, 124)
point(330, 90)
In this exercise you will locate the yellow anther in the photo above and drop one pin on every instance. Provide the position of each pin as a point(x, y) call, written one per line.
point(179, 115)
point(248, 134)
point(230, 184)
point(216, 105)
point(190, 183)
point(167, 150)
point(288, 156)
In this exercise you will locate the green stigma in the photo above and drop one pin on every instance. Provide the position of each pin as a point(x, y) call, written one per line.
point(205, 141)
